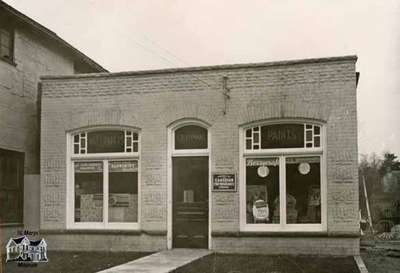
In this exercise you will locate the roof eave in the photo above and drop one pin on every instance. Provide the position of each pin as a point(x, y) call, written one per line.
point(52, 35)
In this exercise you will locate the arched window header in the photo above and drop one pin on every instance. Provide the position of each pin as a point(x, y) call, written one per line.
point(105, 141)
point(283, 136)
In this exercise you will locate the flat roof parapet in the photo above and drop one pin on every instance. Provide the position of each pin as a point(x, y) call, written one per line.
point(204, 68)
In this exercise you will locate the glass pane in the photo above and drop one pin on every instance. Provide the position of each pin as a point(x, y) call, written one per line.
point(303, 187)
point(308, 135)
point(76, 148)
point(88, 191)
point(10, 172)
point(11, 210)
point(191, 137)
point(248, 133)
point(11, 189)
point(123, 191)
point(282, 136)
point(105, 142)
point(135, 146)
point(262, 190)
point(317, 141)
point(5, 52)
point(135, 136)
point(248, 144)
point(256, 138)
point(76, 138)
point(316, 130)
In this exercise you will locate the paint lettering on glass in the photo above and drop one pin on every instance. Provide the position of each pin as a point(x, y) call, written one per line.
point(191, 137)
point(105, 142)
point(282, 136)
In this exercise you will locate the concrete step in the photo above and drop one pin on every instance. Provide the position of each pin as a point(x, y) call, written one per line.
point(160, 262)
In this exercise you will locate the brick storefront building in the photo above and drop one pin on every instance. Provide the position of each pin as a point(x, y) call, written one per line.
point(257, 158)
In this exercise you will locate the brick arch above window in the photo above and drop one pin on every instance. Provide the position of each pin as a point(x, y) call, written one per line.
point(174, 113)
point(296, 110)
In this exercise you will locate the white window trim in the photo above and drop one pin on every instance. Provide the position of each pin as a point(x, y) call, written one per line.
point(172, 152)
point(105, 158)
point(282, 154)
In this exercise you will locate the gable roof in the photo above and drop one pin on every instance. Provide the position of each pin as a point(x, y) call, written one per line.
point(35, 243)
point(20, 17)
point(19, 239)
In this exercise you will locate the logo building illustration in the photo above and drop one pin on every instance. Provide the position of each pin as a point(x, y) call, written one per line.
point(22, 249)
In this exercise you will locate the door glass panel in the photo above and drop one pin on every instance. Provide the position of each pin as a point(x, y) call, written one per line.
point(303, 187)
point(191, 177)
point(88, 191)
point(262, 190)
point(123, 191)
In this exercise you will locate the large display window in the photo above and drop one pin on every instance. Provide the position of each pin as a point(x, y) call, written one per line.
point(103, 185)
point(283, 177)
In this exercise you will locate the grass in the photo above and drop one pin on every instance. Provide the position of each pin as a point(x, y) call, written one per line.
point(75, 262)
point(239, 263)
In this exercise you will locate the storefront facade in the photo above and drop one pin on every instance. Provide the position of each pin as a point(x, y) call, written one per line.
point(257, 158)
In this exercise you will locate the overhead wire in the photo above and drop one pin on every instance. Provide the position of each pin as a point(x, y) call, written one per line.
point(177, 59)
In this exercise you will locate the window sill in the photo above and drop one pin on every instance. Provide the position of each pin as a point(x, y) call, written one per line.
point(11, 225)
point(102, 232)
point(290, 234)
point(10, 62)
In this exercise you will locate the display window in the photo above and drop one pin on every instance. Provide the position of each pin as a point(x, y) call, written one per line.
point(283, 177)
point(103, 184)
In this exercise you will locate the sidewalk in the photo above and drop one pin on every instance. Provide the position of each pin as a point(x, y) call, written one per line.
point(161, 262)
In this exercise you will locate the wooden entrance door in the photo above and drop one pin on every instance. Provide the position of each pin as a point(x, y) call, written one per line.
point(190, 202)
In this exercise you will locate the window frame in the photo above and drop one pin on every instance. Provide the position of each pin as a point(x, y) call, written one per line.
point(11, 31)
point(105, 158)
point(282, 154)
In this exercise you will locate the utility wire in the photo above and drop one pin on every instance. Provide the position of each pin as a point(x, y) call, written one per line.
point(167, 60)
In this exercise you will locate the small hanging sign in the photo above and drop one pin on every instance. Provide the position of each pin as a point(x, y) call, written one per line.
point(224, 182)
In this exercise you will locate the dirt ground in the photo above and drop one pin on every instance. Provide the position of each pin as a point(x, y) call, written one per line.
point(239, 263)
point(381, 260)
point(74, 262)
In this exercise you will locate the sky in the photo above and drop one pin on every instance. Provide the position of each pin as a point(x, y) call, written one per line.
point(126, 35)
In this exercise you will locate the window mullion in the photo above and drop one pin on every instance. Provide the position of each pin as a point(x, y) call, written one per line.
point(282, 186)
point(105, 193)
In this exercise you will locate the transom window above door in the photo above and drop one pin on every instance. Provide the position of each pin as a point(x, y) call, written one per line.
point(191, 137)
